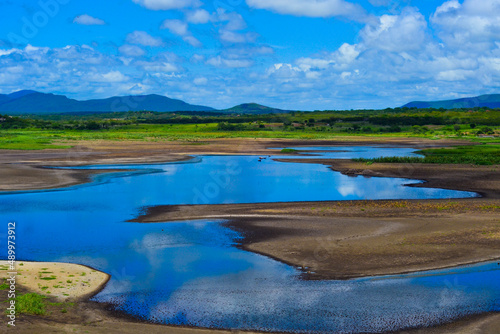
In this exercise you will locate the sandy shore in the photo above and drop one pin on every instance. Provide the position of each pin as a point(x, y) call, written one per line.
point(333, 239)
point(62, 281)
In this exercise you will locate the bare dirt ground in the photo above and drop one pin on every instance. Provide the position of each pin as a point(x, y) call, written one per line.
point(347, 239)
point(332, 239)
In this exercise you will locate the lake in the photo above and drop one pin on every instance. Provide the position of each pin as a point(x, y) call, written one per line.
point(192, 273)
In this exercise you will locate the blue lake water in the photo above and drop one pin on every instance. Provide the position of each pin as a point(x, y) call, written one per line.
point(350, 152)
point(191, 273)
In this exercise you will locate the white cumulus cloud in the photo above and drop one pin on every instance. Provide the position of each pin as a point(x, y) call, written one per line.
point(455, 75)
point(236, 37)
point(88, 20)
point(200, 81)
point(180, 28)
point(143, 38)
point(471, 24)
point(112, 76)
point(199, 16)
point(131, 50)
point(220, 61)
point(177, 27)
point(231, 28)
point(403, 32)
point(310, 8)
point(167, 4)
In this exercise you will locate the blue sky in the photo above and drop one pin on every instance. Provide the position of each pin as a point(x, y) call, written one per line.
point(294, 54)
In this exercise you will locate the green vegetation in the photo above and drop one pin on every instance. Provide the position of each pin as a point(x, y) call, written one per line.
point(475, 155)
point(36, 304)
point(36, 132)
point(288, 150)
point(4, 286)
point(31, 303)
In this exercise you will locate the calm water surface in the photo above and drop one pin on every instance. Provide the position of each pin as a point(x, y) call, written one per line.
point(191, 273)
point(350, 152)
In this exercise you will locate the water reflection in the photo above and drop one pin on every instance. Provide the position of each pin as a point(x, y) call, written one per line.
point(216, 285)
point(191, 273)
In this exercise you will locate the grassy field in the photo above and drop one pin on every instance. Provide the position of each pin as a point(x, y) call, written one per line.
point(488, 154)
point(35, 132)
point(38, 139)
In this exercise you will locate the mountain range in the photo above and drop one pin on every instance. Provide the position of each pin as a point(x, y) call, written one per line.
point(32, 102)
point(489, 101)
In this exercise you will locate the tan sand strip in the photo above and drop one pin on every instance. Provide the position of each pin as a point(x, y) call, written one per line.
point(62, 281)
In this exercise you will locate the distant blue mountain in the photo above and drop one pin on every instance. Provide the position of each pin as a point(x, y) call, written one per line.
point(253, 108)
point(15, 95)
point(32, 102)
point(489, 101)
point(20, 93)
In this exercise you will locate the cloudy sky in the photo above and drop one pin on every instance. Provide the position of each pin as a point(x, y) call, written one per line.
point(295, 54)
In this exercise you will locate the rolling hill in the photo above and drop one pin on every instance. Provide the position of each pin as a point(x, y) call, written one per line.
point(489, 101)
point(253, 108)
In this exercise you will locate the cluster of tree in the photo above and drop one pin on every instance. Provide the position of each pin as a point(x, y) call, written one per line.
point(353, 121)
point(9, 122)
point(412, 119)
point(12, 122)
point(251, 126)
point(205, 120)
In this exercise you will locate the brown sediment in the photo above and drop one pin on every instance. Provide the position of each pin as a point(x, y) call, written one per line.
point(479, 324)
point(30, 170)
point(29, 177)
point(20, 169)
point(347, 239)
